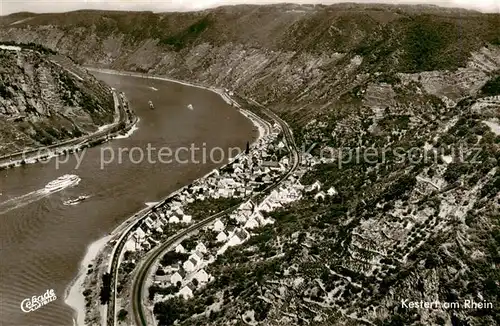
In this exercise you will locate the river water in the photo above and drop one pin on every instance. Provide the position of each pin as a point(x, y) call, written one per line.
point(42, 241)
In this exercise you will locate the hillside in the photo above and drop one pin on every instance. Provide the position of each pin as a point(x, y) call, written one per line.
point(400, 81)
point(303, 58)
point(45, 99)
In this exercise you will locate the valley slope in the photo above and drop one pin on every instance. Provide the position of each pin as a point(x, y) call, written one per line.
point(396, 79)
point(46, 99)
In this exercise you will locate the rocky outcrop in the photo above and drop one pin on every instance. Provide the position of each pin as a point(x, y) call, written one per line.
point(46, 99)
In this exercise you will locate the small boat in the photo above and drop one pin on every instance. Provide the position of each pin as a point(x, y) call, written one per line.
point(75, 201)
point(190, 106)
point(151, 106)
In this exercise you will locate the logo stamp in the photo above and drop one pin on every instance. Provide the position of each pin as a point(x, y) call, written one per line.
point(36, 302)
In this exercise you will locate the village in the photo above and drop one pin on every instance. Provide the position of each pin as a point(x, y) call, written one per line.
point(182, 270)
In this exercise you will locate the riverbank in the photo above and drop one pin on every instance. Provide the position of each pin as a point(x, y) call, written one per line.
point(261, 125)
point(74, 293)
point(101, 135)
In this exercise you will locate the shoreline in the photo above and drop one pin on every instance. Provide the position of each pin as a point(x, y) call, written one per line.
point(72, 145)
point(221, 92)
point(73, 294)
point(74, 297)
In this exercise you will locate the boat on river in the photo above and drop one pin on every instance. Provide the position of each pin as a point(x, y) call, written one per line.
point(62, 182)
point(75, 201)
point(151, 106)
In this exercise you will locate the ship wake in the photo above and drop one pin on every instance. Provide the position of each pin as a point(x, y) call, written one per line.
point(52, 187)
point(23, 200)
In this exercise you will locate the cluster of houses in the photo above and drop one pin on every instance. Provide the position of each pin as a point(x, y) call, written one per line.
point(236, 230)
point(190, 274)
point(187, 275)
point(244, 176)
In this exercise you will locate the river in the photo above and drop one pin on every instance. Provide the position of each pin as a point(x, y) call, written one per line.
point(42, 241)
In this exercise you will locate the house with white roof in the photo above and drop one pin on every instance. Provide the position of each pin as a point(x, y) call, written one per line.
point(242, 191)
point(131, 244)
point(222, 236)
point(293, 194)
point(187, 218)
point(180, 249)
point(173, 219)
point(239, 237)
point(177, 277)
point(225, 192)
point(258, 216)
point(218, 226)
point(267, 221)
point(193, 261)
point(227, 182)
point(187, 291)
point(139, 235)
point(251, 223)
point(175, 204)
point(332, 191)
point(248, 206)
point(197, 255)
point(200, 247)
point(274, 194)
point(240, 218)
point(149, 223)
point(267, 178)
point(298, 188)
point(201, 276)
point(190, 265)
point(266, 206)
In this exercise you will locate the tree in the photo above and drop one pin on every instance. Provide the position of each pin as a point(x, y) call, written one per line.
point(105, 289)
point(122, 315)
point(247, 149)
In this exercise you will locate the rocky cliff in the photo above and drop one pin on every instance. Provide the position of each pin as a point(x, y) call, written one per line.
point(45, 99)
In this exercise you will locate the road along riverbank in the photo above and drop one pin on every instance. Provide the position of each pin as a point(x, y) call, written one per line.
point(144, 269)
point(124, 121)
point(109, 245)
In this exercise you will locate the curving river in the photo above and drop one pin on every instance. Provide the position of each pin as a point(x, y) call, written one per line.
point(42, 241)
